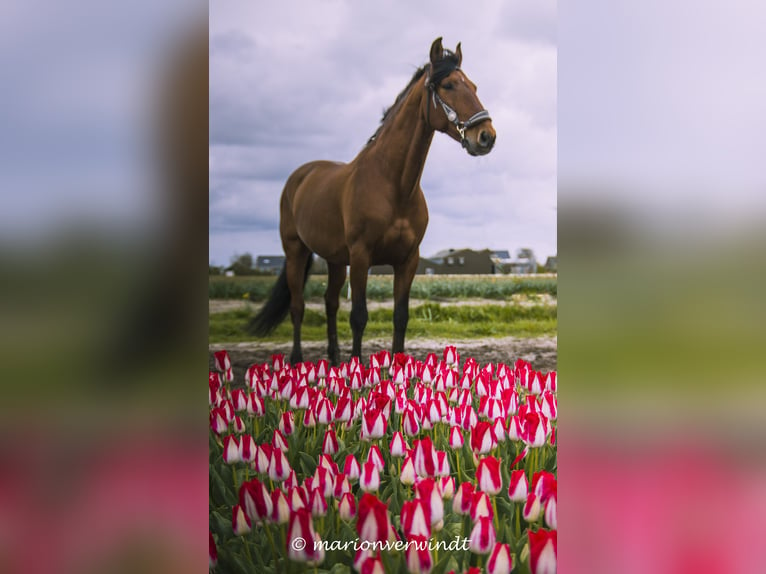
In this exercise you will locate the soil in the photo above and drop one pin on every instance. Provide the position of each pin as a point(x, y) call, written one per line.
point(541, 352)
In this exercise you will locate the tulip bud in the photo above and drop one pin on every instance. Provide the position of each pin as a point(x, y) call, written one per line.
point(351, 468)
point(532, 508)
point(369, 481)
point(240, 523)
point(455, 438)
point(232, 452)
point(542, 551)
point(301, 526)
point(376, 457)
point(483, 536)
point(398, 446)
point(418, 554)
point(280, 509)
point(407, 475)
point(415, 518)
point(347, 507)
point(212, 552)
point(488, 475)
point(330, 442)
point(463, 499)
point(372, 523)
point(501, 560)
point(518, 489)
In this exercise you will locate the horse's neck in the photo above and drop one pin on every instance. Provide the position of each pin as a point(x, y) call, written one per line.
point(404, 144)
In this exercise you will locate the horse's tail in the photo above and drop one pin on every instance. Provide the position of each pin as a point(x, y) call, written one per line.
point(277, 306)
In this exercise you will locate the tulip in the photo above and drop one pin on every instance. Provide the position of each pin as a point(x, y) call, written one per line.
point(398, 446)
point(248, 448)
point(373, 424)
point(442, 463)
point(255, 405)
point(280, 513)
point(483, 438)
point(428, 492)
point(550, 406)
point(534, 430)
point(232, 452)
point(551, 383)
point(228, 375)
point(301, 526)
point(447, 487)
point(455, 438)
point(297, 498)
point(410, 422)
point(407, 476)
point(543, 484)
point(254, 497)
point(532, 508)
point(376, 457)
point(451, 356)
point(481, 506)
point(287, 423)
point(351, 468)
point(499, 429)
point(542, 551)
point(463, 499)
point(418, 554)
point(330, 442)
point(518, 489)
point(370, 564)
point(318, 503)
point(551, 512)
point(279, 441)
point(369, 481)
point(344, 409)
point(483, 536)
point(263, 458)
point(341, 486)
point(372, 523)
point(515, 428)
point(323, 479)
point(218, 423)
point(279, 466)
point(222, 361)
point(426, 459)
point(500, 560)
point(488, 475)
point(240, 523)
point(212, 552)
point(290, 482)
point(239, 399)
point(239, 425)
point(324, 411)
point(415, 519)
point(347, 507)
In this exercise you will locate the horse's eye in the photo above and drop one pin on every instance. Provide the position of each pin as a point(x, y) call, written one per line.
point(448, 85)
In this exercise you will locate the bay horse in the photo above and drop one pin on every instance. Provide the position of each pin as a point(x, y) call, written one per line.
point(372, 211)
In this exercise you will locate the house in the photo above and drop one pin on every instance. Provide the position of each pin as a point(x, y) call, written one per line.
point(464, 262)
point(270, 263)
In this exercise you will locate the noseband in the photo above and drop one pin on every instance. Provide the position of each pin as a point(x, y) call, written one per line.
point(451, 114)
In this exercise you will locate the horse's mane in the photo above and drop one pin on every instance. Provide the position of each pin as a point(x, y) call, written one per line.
point(440, 71)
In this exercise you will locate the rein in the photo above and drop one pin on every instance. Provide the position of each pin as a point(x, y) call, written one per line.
point(451, 114)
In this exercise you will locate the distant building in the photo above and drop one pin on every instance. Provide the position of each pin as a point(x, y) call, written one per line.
point(465, 261)
point(524, 262)
point(270, 263)
point(551, 264)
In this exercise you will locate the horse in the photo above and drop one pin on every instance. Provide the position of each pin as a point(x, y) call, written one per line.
point(372, 211)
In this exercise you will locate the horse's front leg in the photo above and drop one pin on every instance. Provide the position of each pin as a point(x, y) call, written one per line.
point(403, 276)
point(296, 264)
point(360, 267)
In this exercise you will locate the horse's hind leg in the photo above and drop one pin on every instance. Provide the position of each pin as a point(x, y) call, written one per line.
point(336, 276)
point(297, 257)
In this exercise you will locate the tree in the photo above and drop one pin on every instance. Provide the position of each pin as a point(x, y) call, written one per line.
point(242, 264)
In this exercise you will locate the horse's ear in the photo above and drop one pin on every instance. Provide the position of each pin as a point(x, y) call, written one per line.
point(459, 54)
point(437, 51)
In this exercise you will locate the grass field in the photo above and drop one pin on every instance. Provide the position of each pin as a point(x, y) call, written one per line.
point(380, 287)
point(440, 317)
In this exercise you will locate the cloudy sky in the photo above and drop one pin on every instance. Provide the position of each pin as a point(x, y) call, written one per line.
point(292, 82)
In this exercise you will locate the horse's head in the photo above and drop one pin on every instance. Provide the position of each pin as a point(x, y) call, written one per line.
point(452, 105)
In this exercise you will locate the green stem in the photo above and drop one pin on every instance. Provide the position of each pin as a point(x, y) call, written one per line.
point(247, 550)
point(518, 520)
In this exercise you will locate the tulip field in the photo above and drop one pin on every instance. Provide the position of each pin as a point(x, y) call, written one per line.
point(403, 464)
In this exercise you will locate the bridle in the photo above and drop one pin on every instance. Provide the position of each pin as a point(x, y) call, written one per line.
point(451, 114)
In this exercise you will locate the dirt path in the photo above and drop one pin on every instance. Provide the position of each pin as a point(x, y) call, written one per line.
point(225, 305)
point(541, 352)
